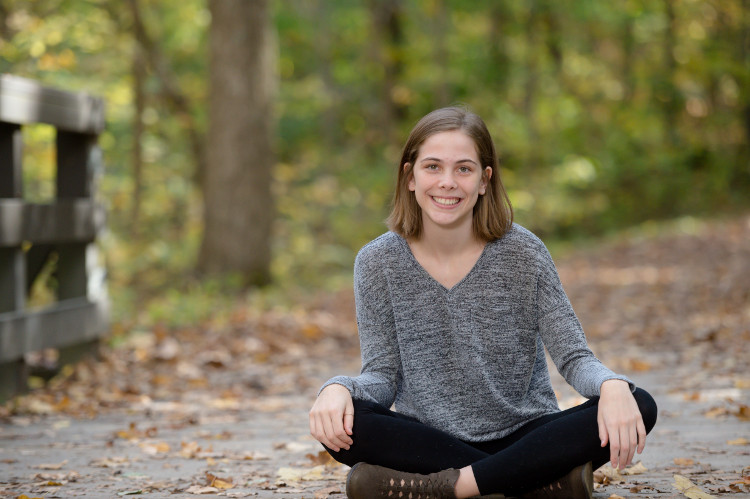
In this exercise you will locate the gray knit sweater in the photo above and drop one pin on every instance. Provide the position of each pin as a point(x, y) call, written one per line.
point(468, 360)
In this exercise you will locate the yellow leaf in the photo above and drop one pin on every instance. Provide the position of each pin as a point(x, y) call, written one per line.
point(298, 474)
point(198, 490)
point(683, 461)
point(153, 449)
point(51, 466)
point(611, 473)
point(636, 469)
point(222, 484)
point(689, 489)
point(615, 496)
point(739, 441)
point(219, 483)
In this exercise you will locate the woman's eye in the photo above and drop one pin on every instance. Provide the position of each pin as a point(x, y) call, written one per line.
point(432, 167)
point(464, 169)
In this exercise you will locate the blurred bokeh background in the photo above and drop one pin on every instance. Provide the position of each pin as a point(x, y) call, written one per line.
point(607, 115)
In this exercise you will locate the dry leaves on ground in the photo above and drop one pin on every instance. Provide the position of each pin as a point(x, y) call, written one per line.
point(689, 489)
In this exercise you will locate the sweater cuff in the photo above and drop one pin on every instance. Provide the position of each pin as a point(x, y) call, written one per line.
point(620, 377)
point(344, 381)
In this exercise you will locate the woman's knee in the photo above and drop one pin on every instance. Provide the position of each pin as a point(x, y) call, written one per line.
point(364, 424)
point(367, 407)
point(647, 406)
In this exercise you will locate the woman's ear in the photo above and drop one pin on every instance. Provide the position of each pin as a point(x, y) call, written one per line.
point(410, 177)
point(486, 176)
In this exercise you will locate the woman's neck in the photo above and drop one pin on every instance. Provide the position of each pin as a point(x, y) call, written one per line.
point(448, 255)
point(447, 242)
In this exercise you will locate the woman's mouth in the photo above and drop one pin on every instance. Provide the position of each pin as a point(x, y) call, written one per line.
point(446, 201)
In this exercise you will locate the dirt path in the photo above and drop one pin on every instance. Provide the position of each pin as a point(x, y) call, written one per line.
point(222, 410)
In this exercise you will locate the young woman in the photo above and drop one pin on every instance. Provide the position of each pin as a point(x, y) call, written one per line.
point(455, 306)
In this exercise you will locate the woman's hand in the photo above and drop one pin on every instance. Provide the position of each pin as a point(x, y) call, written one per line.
point(332, 418)
point(620, 423)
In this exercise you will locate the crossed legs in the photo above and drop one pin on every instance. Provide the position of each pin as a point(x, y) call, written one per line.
point(536, 454)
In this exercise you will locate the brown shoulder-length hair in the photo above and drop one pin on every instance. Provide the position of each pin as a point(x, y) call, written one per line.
point(493, 214)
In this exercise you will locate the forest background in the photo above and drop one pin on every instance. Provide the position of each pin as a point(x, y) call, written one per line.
point(607, 115)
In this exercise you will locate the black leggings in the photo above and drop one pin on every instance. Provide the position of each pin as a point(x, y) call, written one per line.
point(533, 456)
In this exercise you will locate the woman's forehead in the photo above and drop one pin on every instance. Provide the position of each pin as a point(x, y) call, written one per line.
point(449, 144)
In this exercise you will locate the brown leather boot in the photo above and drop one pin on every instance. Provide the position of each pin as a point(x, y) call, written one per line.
point(367, 481)
point(577, 484)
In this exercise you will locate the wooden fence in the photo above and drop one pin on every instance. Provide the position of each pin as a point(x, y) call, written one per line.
point(63, 231)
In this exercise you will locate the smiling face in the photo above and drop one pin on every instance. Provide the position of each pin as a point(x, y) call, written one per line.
point(447, 179)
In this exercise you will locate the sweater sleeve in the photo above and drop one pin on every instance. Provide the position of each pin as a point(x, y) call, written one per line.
point(377, 334)
point(563, 335)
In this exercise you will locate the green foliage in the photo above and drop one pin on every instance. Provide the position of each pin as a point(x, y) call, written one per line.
point(606, 115)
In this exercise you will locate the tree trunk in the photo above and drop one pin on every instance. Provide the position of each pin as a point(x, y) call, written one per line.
point(238, 206)
point(499, 73)
point(139, 76)
point(388, 39)
point(533, 156)
point(670, 100)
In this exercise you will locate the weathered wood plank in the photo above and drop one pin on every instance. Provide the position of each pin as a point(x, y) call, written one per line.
point(11, 143)
point(69, 322)
point(24, 101)
point(77, 157)
point(67, 220)
point(12, 280)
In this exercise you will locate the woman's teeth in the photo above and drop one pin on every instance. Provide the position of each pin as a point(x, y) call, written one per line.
point(446, 201)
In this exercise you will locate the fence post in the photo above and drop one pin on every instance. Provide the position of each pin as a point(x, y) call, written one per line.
point(12, 264)
point(31, 233)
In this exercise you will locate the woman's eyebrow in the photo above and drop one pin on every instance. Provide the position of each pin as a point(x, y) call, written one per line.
point(438, 160)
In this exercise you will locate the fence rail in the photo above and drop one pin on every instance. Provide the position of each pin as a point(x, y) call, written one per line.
point(63, 231)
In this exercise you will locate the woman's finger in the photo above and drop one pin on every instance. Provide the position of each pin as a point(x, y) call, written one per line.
point(334, 427)
point(349, 419)
point(633, 442)
point(603, 434)
point(614, 447)
point(641, 435)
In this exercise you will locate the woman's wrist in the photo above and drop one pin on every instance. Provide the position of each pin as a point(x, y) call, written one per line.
point(614, 383)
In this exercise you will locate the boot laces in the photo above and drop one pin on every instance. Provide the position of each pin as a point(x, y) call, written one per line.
point(418, 487)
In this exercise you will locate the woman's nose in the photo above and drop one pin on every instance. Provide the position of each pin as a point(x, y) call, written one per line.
point(447, 181)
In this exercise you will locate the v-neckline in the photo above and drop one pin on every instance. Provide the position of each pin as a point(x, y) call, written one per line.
point(432, 278)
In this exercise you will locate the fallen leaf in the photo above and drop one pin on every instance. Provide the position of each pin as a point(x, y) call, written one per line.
point(199, 490)
point(683, 461)
point(189, 450)
point(739, 441)
point(322, 457)
point(716, 412)
point(638, 488)
point(689, 489)
point(219, 483)
point(610, 474)
point(299, 474)
point(71, 476)
point(615, 496)
point(130, 492)
point(153, 449)
point(636, 469)
point(292, 446)
point(110, 462)
point(133, 433)
point(51, 466)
